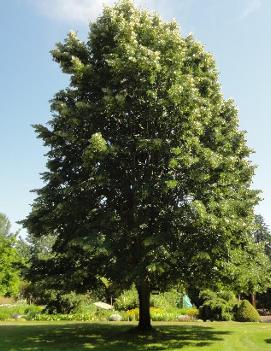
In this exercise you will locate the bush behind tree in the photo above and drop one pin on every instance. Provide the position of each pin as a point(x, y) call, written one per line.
point(128, 299)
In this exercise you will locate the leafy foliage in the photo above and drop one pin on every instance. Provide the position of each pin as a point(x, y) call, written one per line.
point(27, 311)
point(247, 313)
point(249, 269)
point(4, 226)
point(148, 176)
point(89, 315)
point(10, 266)
point(69, 303)
point(262, 234)
point(217, 306)
point(167, 300)
point(128, 300)
point(163, 314)
point(37, 288)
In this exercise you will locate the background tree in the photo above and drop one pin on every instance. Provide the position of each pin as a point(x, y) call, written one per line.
point(249, 271)
point(148, 176)
point(10, 260)
point(36, 288)
point(262, 234)
point(9, 269)
point(4, 225)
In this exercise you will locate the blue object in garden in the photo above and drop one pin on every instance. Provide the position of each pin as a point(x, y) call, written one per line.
point(186, 302)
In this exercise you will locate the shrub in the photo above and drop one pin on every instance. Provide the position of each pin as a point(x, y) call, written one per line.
point(32, 311)
point(167, 299)
point(247, 313)
point(6, 312)
point(128, 300)
point(28, 311)
point(69, 303)
point(95, 315)
point(130, 315)
point(161, 314)
point(101, 315)
point(217, 305)
point(192, 312)
point(157, 314)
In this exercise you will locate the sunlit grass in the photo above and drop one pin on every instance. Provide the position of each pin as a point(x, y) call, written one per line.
point(43, 336)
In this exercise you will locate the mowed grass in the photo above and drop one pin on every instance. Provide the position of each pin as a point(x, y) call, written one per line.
point(224, 336)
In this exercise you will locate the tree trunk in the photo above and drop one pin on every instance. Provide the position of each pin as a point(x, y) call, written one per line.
point(253, 300)
point(143, 290)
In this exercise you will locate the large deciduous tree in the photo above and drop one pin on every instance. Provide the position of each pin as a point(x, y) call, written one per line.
point(148, 176)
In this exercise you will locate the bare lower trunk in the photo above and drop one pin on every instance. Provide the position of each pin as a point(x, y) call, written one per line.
point(143, 290)
point(253, 300)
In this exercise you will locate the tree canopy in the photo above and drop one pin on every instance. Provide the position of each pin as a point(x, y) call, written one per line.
point(249, 270)
point(148, 176)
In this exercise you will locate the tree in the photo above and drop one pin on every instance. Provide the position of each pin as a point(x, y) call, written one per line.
point(4, 225)
point(148, 176)
point(9, 269)
point(35, 288)
point(249, 270)
point(262, 234)
point(10, 260)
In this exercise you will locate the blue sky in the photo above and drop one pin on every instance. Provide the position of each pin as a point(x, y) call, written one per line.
point(236, 32)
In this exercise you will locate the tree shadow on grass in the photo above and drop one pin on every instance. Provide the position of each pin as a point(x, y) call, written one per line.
point(268, 341)
point(104, 337)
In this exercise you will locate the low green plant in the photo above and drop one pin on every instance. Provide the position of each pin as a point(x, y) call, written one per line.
point(165, 315)
point(162, 314)
point(69, 303)
point(63, 317)
point(247, 313)
point(32, 311)
point(167, 299)
point(157, 314)
point(97, 315)
point(128, 300)
point(192, 312)
point(27, 311)
point(7, 312)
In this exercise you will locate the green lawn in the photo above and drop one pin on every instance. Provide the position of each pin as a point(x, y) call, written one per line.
point(227, 336)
